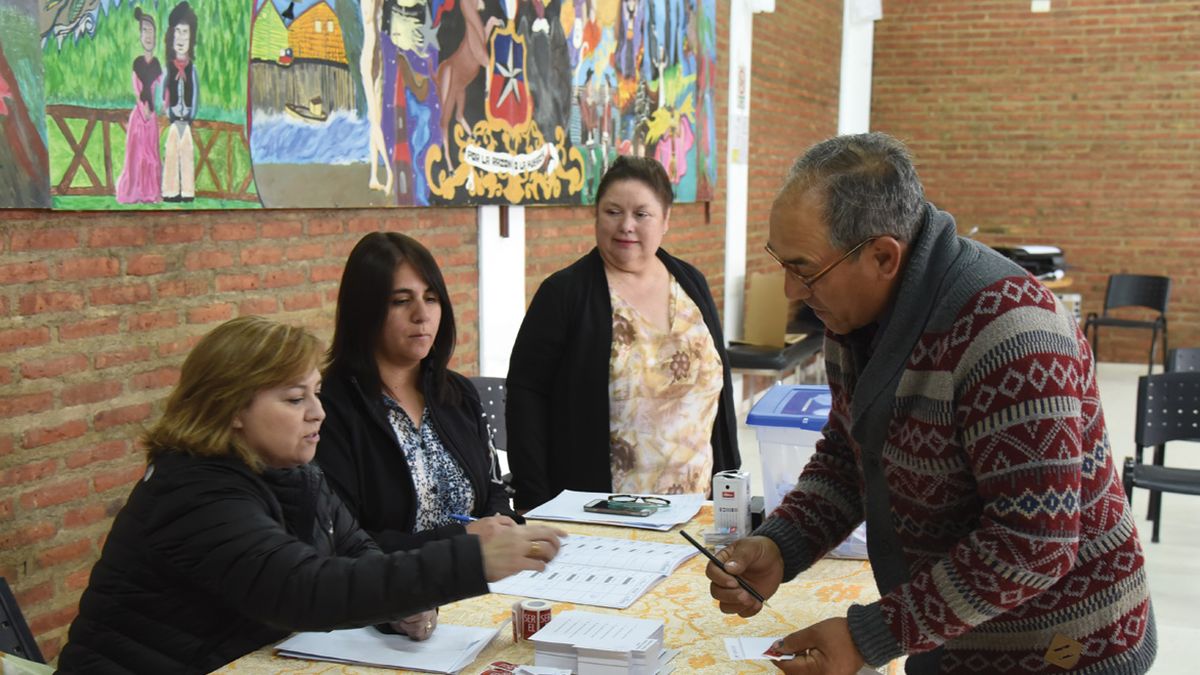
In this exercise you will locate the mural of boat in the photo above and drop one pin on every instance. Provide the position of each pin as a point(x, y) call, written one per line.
point(313, 112)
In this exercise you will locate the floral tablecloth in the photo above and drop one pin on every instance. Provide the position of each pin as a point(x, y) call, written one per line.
point(693, 624)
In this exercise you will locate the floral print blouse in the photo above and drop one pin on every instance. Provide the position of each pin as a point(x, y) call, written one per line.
point(663, 390)
point(442, 488)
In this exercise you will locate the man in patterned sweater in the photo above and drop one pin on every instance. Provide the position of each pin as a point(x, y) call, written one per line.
point(966, 430)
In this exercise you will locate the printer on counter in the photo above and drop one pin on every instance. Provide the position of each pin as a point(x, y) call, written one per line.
point(1043, 262)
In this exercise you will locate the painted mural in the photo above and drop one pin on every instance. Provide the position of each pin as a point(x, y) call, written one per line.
point(320, 103)
point(24, 177)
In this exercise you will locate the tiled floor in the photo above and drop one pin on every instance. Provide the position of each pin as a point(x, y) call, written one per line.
point(1173, 564)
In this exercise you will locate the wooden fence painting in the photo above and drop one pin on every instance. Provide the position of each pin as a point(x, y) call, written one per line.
point(331, 103)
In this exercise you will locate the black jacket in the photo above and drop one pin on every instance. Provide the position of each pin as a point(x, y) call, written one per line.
point(208, 561)
point(361, 456)
point(557, 407)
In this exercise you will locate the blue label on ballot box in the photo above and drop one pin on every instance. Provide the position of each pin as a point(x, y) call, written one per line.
point(799, 406)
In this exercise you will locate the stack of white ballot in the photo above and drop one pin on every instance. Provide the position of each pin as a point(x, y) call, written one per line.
point(603, 644)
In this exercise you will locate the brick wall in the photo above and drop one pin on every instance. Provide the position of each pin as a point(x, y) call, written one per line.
point(1076, 128)
point(97, 310)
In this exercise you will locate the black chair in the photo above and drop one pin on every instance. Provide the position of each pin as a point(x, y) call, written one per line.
point(1183, 360)
point(1168, 409)
point(492, 395)
point(15, 637)
point(1132, 290)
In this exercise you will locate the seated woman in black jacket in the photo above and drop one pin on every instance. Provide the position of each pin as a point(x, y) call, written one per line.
point(232, 539)
point(405, 442)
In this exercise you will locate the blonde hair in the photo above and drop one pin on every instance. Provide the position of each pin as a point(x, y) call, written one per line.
point(220, 377)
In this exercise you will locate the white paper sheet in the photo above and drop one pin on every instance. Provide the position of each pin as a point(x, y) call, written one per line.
point(449, 650)
point(599, 571)
point(568, 506)
point(752, 648)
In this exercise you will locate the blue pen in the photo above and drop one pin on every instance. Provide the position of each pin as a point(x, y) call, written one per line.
point(461, 518)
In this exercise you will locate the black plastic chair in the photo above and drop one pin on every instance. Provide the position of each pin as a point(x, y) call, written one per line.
point(1132, 290)
point(15, 637)
point(1168, 409)
point(492, 394)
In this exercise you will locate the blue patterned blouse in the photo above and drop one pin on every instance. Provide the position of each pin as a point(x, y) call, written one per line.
point(442, 487)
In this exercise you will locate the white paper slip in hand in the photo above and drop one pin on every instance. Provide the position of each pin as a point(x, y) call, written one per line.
point(755, 649)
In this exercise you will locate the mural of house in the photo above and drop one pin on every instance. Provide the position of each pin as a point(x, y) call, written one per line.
point(270, 36)
point(316, 34)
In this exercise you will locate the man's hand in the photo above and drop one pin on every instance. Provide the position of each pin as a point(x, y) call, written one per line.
point(758, 561)
point(824, 648)
point(419, 627)
point(486, 528)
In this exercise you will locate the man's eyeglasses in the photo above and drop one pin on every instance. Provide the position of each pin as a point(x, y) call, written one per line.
point(810, 280)
point(633, 499)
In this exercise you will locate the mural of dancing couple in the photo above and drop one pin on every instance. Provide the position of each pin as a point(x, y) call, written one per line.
point(120, 104)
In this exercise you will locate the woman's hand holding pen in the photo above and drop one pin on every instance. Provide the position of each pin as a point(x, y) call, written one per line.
point(756, 560)
point(487, 528)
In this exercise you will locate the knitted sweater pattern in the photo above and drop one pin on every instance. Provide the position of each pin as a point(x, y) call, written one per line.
point(1002, 518)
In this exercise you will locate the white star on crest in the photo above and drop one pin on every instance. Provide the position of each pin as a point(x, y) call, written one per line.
point(510, 74)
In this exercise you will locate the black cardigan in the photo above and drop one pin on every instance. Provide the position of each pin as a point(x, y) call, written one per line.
point(208, 561)
point(557, 407)
point(362, 457)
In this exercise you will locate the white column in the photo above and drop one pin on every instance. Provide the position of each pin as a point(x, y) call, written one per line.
point(501, 287)
point(858, 39)
point(737, 146)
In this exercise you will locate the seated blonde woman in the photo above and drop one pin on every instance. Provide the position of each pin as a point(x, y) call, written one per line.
point(232, 539)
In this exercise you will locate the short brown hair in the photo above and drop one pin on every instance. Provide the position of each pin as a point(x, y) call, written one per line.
point(220, 377)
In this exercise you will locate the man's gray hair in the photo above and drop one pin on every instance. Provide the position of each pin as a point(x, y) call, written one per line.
point(869, 184)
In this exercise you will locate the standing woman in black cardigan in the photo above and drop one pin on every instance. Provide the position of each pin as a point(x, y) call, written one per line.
point(405, 442)
point(618, 380)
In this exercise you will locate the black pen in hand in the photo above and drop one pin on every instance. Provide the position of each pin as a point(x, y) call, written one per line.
point(720, 565)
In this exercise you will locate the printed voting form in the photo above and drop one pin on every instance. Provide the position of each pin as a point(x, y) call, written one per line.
point(599, 571)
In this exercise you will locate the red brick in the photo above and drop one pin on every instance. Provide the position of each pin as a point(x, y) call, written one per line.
point(36, 594)
point(210, 313)
point(146, 264)
point(48, 621)
point(109, 450)
point(120, 357)
point(88, 268)
point(258, 306)
point(19, 338)
point(6, 445)
point(319, 273)
point(324, 226)
point(178, 233)
point(50, 647)
point(125, 415)
point(54, 367)
point(262, 255)
point(89, 328)
point(305, 251)
point(57, 555)
point(302, 301)
point(78, 580)
point(122, 477)
point(50, 301)
point(26, 535)
point(281, 278)
point(84, 515)
point(25, 404)
point(237, 282)
point(121, 295)
point(188, 287)
point(90, 392)
point(234, 231)
point(58, 493)
point(155, 379)
point(364, 224)
point(33, 240)
point(28, 472)
point(23, 272)
point(154, 320)
point(122, 235)
point(178, 346)
point(6, 375)
point(45, 436)
point(207, 260)
point(6, 508)
point(280, 230)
